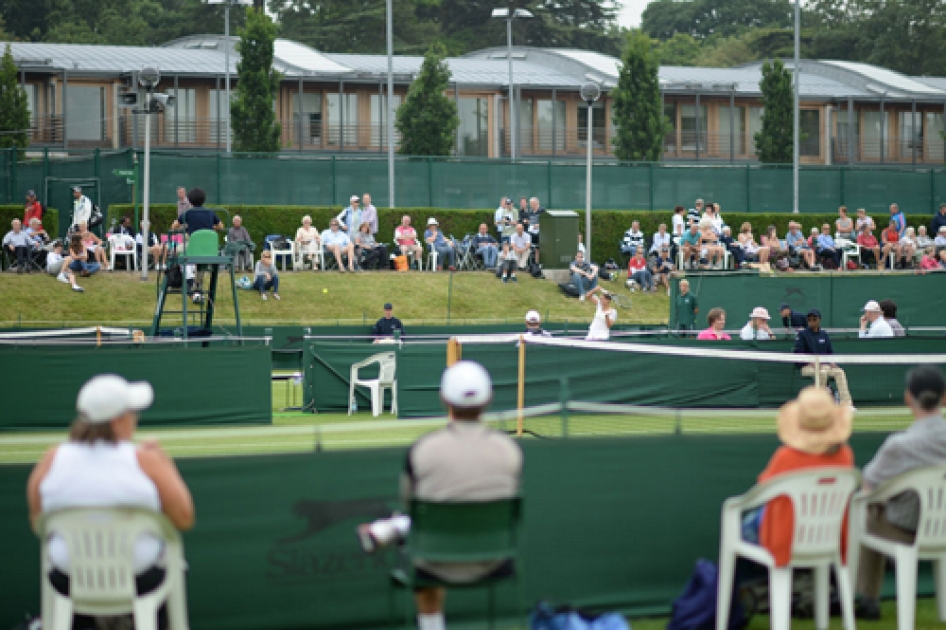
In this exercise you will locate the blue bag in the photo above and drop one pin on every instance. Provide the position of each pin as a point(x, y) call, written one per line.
point(545, 617)
point(695, 609)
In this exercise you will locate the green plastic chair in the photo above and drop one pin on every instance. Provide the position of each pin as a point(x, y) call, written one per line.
point(203, 243)
point(458, 532)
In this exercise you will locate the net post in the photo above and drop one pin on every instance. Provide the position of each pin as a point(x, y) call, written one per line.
point(521, 394)
point(454, 351)
point(563, 395)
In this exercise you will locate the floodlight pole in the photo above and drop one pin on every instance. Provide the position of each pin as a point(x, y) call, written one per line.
point(588, 185)
point(795, 114)
point(390, 121)
point(512, 115)
point(146, 190)
point(226, 61)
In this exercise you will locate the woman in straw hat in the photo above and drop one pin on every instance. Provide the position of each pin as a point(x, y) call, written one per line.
point(814, 431)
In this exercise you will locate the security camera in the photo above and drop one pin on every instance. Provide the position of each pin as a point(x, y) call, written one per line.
point(128, 100)
point(161, 102)
point(149, 77)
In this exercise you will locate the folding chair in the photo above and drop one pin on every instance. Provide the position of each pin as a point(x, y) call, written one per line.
point(241, 252)
point(101, 544)
point(819, 498)
point(459, 532)
point(387, 379)
point(929, 484)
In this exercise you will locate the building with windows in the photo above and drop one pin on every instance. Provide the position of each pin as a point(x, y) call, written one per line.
point(850, 112)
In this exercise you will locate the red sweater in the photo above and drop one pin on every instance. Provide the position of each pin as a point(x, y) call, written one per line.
point(778, 523)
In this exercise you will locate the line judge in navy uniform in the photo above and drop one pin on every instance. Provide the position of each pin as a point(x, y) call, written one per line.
point(386, 326)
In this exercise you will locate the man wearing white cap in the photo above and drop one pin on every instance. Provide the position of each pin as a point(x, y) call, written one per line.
point(758, 327)
point(100, 466)
point(349, 219)
point(534, 325)
point(872, 322)
point(465, 461)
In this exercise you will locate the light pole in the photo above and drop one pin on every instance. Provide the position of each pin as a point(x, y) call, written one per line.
point(795, 110)
point(226, 55)
point(390, 121)
point(590, 93)
point(503, 14)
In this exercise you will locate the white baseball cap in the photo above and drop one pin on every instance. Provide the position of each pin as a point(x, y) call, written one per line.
point(533, 316)
point(432, 221)
point(872, 306)
point(466, 384)
point(761, 312)
point(354, 198)
point(107, 396)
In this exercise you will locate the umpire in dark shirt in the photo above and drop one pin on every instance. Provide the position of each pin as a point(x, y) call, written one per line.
point(386, 326)
point(790, 318)
point(198, 217)
point(814, 340)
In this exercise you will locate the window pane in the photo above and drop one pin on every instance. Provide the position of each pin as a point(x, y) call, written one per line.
point(934, 136)
point(755, 126)
point(670, 141)
point(688, 128)
point(874, 135)
point(182, 117)
point(845, 134)
point(379, 119)
point(598, 121)
point(729, 141)
point(85, 109)
point(473, 131)
point(525, 121)
point(311, 117)
point(809, 127)
point(217, 121)
point(911, 133)
point(335, 118)
point(551, 122)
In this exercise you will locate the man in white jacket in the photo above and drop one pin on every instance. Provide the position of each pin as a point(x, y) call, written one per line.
point(873, 325)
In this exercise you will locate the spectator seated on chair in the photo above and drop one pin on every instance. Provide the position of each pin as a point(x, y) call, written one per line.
point(922, 444)
point(940, 241)
point(942, 258)
point(507, 263)
point(870, 248)
point(660, 240)
point(844, 225)
point(771, 244)
point(584, 275)
point(827, 248)
point(908, 246)
point(405, 237)
point(370, 253)
point(751, 250)
point(486, 247)
point(923, 240)
point(661, 267)
point(714, 217)
point(308, 241)
point(633, 239)
point(889, 309)
point(638, 274)
point(267, 276)
point(239, 235)
point(58, 265)
point(19, 245)
point(101, 467)
point(891, 241)
point(862, 219)
point(733, 247)
point(93, 244)
point(798, 246)
point(463, 462)
point(690, 245)
point(80, 258)
point(521, 244)
point(36, 232)
point(446, 252)
point(716, 321)
point(928, 262)
point(757, 328)
point(711, 252)
point(157, 250)
point(813, 431)
point(337, 243)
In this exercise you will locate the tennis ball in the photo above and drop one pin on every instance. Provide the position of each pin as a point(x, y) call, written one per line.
point(324, 290)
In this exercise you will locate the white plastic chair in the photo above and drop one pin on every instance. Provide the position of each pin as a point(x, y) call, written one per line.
point(298, 263)
point(929, 483)
point(123, 245)
point(820, 497)
point(287, 252)
point(432, 257)
point(849, 249)
point(387, 379)
point(101, 543)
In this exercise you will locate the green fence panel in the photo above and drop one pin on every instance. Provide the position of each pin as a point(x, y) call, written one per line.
point(297, 181)
point(614, 523)
point(875, 189)
point(681, 185)
point(193, 386)
point(170, 171)
point(921, 300)
point(818, 190)
point(479, 184)
point(769, 189)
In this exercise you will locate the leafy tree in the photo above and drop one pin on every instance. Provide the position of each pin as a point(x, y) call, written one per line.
point(680, 50)
point(427, 120)
point(704, 18)
point(253, 119)
point(14, 114)
point(635, 103)
point(774, 142)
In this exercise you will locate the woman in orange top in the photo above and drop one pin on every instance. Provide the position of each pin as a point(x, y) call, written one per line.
point(813, 429)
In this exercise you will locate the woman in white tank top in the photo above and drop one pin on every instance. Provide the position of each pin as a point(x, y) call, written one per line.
point(100, 467)
point(605, 316)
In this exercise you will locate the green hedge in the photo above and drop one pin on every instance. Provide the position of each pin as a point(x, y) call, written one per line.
point(607, 230)
point(15, 211)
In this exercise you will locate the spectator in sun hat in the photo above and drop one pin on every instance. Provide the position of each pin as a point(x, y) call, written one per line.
point(814, 433)
point(465, 461)
point(814, 340)
point(100, 466)
point(872, 323)
point(922, 444)
point(350, 218)
point(791, 318)
point(386, 326)
point(534, 324)
point(443, 246)
point(757, 329)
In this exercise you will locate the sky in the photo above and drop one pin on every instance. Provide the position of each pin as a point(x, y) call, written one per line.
point(631, 11)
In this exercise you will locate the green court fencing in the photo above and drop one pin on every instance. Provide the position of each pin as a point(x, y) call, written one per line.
point(610, 523)
point(329, 180)
point(193, 385)
point(921, 300)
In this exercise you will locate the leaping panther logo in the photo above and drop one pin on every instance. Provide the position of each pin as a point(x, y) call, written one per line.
point(323, 514)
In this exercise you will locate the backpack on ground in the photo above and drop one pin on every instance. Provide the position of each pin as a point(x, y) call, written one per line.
point(570, 289)
point(175, 276)
point(547, 617)
point(695, 609)
point(535, 270)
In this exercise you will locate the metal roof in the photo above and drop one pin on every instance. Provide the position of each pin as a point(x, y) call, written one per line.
point(111, 60)
point(465, 71)
point(887, 78)
point(289, 57)
point(746, 81)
